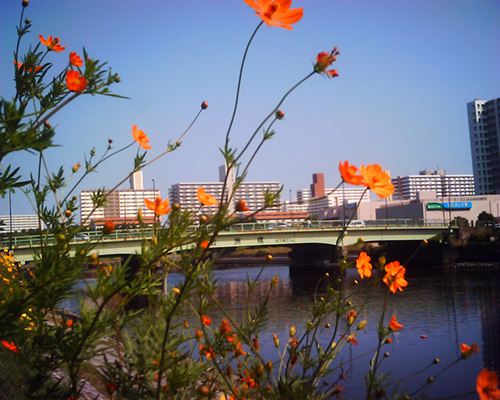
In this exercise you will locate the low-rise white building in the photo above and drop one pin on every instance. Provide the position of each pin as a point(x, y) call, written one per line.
point(21, 222)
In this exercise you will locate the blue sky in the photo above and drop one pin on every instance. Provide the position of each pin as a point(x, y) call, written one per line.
point(407, 69)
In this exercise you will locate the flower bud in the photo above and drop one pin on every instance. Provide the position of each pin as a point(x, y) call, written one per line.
point(176, 207)
point(203, 219)
point(293, 331)
point(68, 213)
point(269, 366)
point(139, 216)
point(76, 167)
point(276, 340)
point(269, 257)
point(280, 114)
point(204, 105)
point(259, 370)
point(274, 281)
point(176, 291)
point(110, 141)
point(386, 354)
point(362, 325)
point(27, 21)
point(186, 324)
point(388, 340)
point(430, 379)
point(327, 326)
point(198, 334)
point(435, 361)
point(25, 3)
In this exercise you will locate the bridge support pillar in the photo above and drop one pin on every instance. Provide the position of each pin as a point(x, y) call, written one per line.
point(312, 258)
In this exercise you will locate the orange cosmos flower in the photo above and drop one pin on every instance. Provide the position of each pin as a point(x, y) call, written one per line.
point(75, 60)
point(140, 137)
point(276, 12)
point(21, 66)
point(324, 60)
point(395, 276)
point(69, 322)
point(348, 173)
point(467, 351)
point(487, 385)
point(224, 327)
point(11, 346)
point(351, 317)
point(241, 206)
point(52, 44)
point(75, 81)
point(204, 244)
point(377, 180)
point(108, 227)
point(158, 206)
point(205, 198)
point(363, 265)
point(394, 324)
point(206, 320)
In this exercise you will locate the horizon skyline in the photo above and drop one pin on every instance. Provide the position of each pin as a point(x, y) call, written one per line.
point(407, 70)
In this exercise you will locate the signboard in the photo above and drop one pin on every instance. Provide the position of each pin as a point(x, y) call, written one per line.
point(454, 205)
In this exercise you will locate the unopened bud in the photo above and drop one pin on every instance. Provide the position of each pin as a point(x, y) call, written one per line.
point(280, 114)
point(388, 340)
point(25, 3)
point(430, 379)
point(435, 361)
point(68, 213)
point(362, 324)
point(386, 354)
point(27, 21)
point(176, 207)
point(382, 261)
point(204, 105)
point(269, 366)
point(198, 334)
point(139, 216)
point(110, 141)
point(203, 219)
point(293, 331)
point(269, 257)
point(76, 167)
point(176, 291)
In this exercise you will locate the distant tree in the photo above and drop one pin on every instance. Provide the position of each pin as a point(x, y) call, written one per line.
point(461, 221)
point(485, 219)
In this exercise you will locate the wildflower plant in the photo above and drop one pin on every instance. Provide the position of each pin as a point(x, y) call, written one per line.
point(152, 351)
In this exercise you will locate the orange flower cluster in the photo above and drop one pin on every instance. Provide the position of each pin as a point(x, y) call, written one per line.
point(467, 351)
point(52, 44)
point(324, 60)
point(370, 176)
point(75, 81)
point(487, 385)
point(395, 276)
point(363, 265)
point(241, 206)
point(393, 325)
point(159, 206)
point(276, 12)
point(11, 346)
point(140, 137)
point(21, 66)
point(205, 198)
point(75, 60)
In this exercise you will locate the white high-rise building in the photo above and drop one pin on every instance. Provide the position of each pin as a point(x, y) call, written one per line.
point(407, 187)
point(484, 134)
point(253, 193)
point(21, 222)
point(121, 205)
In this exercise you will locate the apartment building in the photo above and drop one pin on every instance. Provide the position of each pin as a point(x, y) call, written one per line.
point(484, 134)
point(407, 187)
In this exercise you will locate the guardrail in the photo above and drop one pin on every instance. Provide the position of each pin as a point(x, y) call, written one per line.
point(35, 240)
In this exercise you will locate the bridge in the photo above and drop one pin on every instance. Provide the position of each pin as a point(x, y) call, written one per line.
point(312, 243)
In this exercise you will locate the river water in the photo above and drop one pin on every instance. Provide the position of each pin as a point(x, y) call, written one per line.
point(440, 309)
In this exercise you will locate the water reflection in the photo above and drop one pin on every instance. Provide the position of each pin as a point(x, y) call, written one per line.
point(446, 306)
